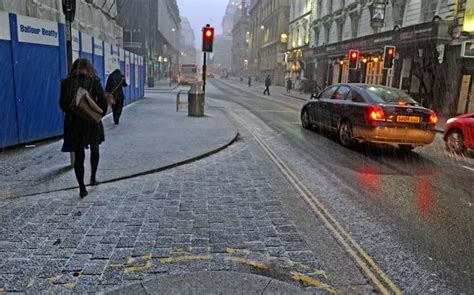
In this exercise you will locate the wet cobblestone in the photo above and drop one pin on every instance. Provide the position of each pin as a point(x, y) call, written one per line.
point(220, 213)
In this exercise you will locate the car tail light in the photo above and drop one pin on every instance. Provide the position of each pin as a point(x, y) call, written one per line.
point(433, 119)
point(376, 113)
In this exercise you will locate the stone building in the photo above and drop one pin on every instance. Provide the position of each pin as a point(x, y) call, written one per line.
point(427, 64)
point(268, 39)
point(240, 36)
point(152, 29)
point(187, 43)
point(299, 37)
point(222, 54)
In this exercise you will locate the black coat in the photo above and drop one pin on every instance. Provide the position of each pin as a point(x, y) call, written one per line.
point(268, 82)
point(115, 84)
point(78, 131)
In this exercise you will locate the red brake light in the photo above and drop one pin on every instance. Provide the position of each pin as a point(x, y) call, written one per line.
point(376, 113)
point(433, 119)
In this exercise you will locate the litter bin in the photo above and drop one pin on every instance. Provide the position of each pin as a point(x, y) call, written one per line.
point(196, 100)
point(151, 82)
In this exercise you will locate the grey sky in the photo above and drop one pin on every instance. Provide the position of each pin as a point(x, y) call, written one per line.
point(202, 12)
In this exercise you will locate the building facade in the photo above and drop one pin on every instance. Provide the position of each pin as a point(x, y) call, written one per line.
point(222, 53)
point(187, 43)
point(152, 29)
point(268, 40)
point(299, 38)
point(240, 38)
point(427, 63)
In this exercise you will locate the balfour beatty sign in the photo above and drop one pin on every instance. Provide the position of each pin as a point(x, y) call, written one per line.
point(37, 31)
point(4, 26)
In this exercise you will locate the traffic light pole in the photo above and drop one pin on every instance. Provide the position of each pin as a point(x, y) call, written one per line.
point(204, 73)
point(69, 44)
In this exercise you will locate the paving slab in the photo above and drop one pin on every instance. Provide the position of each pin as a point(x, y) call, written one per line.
point(151, 135)
point(213, 282)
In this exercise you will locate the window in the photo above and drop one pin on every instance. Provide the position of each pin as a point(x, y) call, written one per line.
point(388, 95)
point(354, 26)
point(428, 9)
point(340, 28)
point(374, 72)
point(356, 97)
point(345, 73)
point(320, 8)
point(341, 93)
point(327, 94)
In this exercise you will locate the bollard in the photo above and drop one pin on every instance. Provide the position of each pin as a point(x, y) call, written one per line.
point(196, 100)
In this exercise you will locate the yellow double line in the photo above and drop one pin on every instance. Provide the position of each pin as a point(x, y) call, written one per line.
point(365, 262)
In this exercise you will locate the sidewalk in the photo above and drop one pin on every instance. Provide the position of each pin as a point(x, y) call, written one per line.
point(151, 136)
point(163, 84)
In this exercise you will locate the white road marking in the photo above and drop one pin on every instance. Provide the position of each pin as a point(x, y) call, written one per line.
point(468, 168)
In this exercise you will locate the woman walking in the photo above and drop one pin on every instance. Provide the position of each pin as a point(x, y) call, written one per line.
point(114, 86)
point(79, 133)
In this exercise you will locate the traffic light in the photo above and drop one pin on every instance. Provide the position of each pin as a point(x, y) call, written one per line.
point(69, 9)
point(388, 56)
point(207, 38)
point(353, 58)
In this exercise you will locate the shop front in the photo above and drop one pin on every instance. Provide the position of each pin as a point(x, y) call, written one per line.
point(420, 66)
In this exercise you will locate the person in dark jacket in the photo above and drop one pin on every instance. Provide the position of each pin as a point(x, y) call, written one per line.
point(268, 82)
point(250, 81)
point(81, 134)
point(114, 86)
point(289, 84)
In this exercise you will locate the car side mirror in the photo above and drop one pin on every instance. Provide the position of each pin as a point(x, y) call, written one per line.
point(314, 96)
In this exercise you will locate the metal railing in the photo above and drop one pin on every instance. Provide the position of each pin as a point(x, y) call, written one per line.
point(178, 102)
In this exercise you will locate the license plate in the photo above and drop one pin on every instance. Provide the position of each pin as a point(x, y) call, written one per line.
point(408, 119)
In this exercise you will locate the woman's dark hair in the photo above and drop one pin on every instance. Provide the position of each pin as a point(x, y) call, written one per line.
point(82, 66)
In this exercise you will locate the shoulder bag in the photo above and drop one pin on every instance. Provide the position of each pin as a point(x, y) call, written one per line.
point(84, 106)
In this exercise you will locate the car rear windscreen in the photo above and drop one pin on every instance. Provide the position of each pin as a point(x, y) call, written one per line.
point(383, 94)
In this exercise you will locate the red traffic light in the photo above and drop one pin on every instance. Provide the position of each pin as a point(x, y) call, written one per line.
point(353, 59)
point(388, 56)
point(208, 33)
point(207, 38)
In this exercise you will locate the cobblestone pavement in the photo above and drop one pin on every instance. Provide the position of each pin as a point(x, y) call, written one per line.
point(221, 213)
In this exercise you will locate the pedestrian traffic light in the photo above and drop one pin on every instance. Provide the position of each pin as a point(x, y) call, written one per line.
point(353, 58)
point(207, 38)
point(388, 56)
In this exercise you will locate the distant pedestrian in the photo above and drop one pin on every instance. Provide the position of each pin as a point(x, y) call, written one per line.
point(268, 82)
point(289, 84)
point(80, 133)
point(301, 86)
point(297, 84)
point(250, 81)
point(114, 86)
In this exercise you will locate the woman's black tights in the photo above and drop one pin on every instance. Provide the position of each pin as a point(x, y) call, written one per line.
point(80, 156)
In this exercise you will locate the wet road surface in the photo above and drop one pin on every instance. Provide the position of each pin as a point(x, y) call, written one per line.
point(412, 212)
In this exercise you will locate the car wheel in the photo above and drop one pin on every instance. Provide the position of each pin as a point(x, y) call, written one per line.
point(305, 119)
point(345, 134)
point(455, 142)
point(406, 147)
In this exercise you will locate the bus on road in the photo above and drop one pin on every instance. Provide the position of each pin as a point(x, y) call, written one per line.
point(188, 74)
